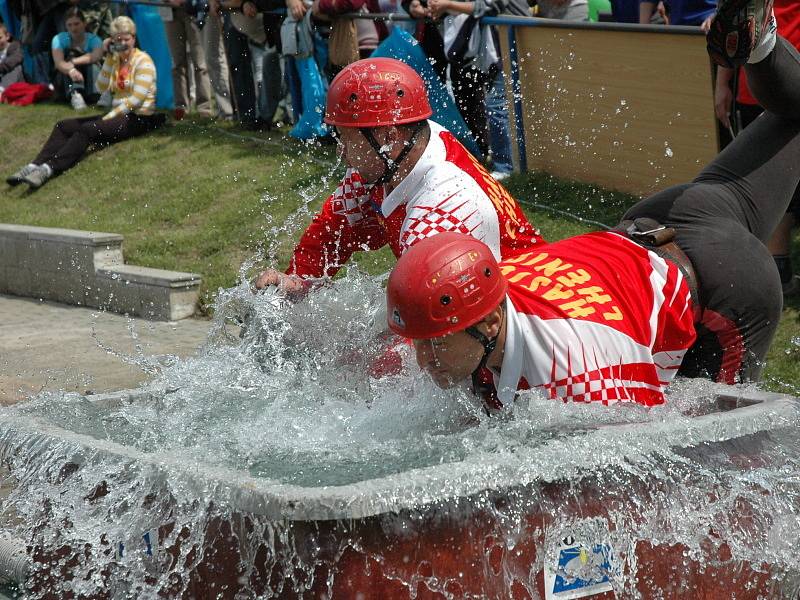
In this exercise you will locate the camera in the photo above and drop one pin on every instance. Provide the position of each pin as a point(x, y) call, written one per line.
point(118, 47)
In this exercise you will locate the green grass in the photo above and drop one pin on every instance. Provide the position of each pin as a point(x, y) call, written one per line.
point(205, 197)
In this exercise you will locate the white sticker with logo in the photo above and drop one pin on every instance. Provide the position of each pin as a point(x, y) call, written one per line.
point(581, 566)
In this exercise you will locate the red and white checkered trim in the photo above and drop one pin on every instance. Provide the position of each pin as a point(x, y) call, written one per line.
point(614, 383)
point(351, 198)
point(425, 221)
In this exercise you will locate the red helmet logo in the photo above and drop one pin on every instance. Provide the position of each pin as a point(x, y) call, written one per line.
point(443, 284)
point(375, 92)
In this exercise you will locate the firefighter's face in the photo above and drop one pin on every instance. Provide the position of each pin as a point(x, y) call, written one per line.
point(449, 359)
point(359, 154)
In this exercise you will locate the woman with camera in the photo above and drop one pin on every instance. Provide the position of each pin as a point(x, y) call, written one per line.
point(130, 75)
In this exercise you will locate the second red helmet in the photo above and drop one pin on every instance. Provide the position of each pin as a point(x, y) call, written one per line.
point(443, 284)
point(375, 92)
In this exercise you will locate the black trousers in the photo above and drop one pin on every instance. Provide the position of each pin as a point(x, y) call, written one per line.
point(70, 138)
point(724, 218)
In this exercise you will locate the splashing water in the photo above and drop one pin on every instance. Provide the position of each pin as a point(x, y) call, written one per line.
point(276, 457)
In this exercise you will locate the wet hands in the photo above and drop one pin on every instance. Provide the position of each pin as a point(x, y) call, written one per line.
point(294, 287)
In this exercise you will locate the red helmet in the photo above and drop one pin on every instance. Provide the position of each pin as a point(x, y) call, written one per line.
point(374, 92)
point(442, 284)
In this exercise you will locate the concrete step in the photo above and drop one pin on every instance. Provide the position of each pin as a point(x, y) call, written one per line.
point(86, 268)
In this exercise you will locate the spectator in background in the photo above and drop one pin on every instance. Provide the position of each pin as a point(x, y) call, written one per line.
point(273, 87)
point(49, 20)
point(183, 29)
point(496, 107)
point(428, 35)
point(240, 70)
point(217, 65)
point(75, 54)
point(625, 11)
point(131, 76)
point(10, 59)
point(787, 15)
point(368, 32)
point(678, 12)
point(264, 58)
point(565, 10)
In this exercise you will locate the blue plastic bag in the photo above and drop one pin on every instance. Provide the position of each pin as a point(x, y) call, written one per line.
point(309, 125)
point(153, 39)
point(402, 46)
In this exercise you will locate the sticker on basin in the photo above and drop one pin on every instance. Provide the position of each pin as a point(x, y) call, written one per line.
point(580, 570)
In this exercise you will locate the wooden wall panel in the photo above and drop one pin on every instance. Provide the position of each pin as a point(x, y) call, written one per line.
point(626, 110)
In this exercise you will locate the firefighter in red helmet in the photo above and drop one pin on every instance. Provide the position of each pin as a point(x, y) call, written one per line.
point(408, 178)
point(683, 285)
point(558, 318)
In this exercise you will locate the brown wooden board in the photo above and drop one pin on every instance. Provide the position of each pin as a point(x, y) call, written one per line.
point(627, 110)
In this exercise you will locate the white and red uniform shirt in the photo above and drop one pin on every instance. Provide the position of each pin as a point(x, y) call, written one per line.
point(595, 317)
point(447, 190)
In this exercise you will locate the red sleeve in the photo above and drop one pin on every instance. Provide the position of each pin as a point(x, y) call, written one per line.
point(331, 239)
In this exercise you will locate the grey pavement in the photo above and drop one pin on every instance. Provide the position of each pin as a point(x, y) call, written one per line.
point(46, 346)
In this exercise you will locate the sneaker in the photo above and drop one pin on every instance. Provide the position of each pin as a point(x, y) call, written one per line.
point(38, 177)
point(737, 29)
point(500, 175)
point(77, 101)
point(20, 175)
point(105, 99)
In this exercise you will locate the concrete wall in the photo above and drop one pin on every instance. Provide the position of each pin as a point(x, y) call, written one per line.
point(87, 268)
point(626, 108)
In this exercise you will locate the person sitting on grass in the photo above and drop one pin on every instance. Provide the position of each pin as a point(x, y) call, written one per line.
point(130, 75)
point(10, 60)
point(685, 285)
point(75, 52)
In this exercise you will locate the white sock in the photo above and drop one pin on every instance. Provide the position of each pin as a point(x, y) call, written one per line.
point(767, 42)
point(33, 165)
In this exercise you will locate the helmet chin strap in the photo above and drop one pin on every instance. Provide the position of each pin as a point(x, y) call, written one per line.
point(391, 165)
point(489, 346)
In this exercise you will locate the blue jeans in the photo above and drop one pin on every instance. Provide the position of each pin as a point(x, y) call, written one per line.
point(497, 117)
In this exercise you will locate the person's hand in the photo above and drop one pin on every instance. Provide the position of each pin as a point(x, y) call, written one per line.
point(662, 10)
point(290, 284)
point(705, 26)
point(75, 75)
point(249, 9)
point(723, 100)
point(107, 45)
point(214, 8)
point(438, 8)
point(417, 10)
point(296, 8)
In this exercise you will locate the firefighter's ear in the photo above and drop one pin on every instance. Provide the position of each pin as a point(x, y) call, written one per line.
point(494, 321)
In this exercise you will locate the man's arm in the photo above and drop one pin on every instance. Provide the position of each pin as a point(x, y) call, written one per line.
point(330, 241)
